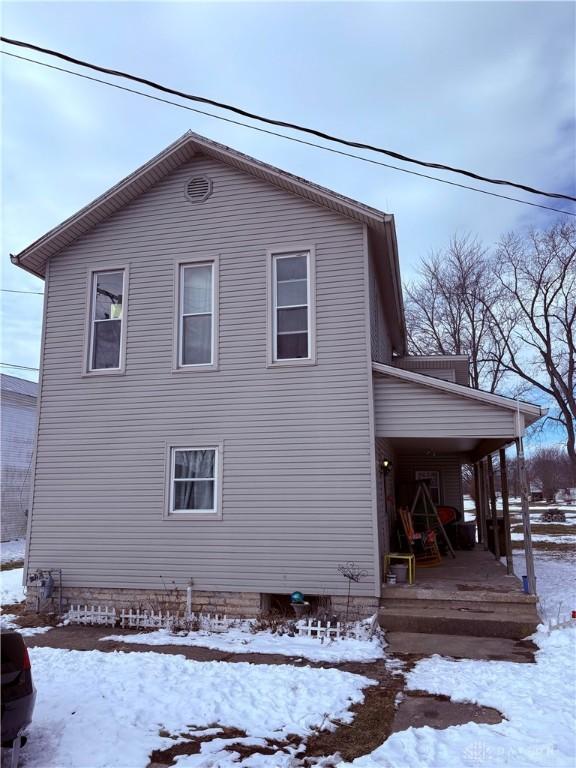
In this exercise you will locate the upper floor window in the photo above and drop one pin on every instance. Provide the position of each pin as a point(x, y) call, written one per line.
point(291, 306)
point(106, 316)
point(196, 315)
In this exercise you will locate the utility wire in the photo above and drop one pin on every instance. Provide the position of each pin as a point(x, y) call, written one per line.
point(289, 138)
point(22, 367)
point(279, 123)
point(11, 290)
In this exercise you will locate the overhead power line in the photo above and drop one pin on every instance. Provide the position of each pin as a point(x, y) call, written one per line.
point(21, 367)
point(279, 123)
point(334, 151)
point(11, 290)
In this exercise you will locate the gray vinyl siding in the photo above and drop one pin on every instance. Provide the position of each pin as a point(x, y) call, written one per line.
point(297, 453)
point(379, 334)
point(405, 409)
point(439, 366)
point(450, 468)
point(18, 417)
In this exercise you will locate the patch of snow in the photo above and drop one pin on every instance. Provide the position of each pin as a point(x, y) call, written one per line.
point(7, 621)
point(555, 581)
point(11, 588)
point(569, 538)
point(238, 640)
point(11, 551)
point(104, 710)
point(537, 701)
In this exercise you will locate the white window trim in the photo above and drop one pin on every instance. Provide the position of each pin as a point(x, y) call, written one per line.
point(438, 475)
point(87, 369)
point(189, 514)
point(195, 261)
point(272, 254)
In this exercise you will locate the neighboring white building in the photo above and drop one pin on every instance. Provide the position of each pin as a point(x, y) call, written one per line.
point(18, 419)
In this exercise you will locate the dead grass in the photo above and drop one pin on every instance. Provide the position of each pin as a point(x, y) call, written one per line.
point(11, 565)
point(552, 529)
point(547, 546)
point(373, 719)
point(193, 745)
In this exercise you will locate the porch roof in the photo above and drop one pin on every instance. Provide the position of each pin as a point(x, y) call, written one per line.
point(419, 411)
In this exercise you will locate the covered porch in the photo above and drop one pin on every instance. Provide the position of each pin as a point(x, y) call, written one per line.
point(427, 429)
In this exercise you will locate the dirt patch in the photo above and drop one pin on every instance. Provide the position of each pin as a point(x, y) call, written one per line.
point(11, 565)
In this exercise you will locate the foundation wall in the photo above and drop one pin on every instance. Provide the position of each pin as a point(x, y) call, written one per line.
point(241, 604)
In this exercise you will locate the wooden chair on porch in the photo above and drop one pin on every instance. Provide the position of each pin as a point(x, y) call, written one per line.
point(422, 544)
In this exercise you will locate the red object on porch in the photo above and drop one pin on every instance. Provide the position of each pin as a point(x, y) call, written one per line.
point(447, 514)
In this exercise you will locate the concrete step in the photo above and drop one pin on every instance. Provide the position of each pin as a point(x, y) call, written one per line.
point(448, 591)
point(514, 622)
point(482, 606)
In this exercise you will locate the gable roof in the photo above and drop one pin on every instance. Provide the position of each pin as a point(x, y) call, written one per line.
point(381, 225)
point(530, 411)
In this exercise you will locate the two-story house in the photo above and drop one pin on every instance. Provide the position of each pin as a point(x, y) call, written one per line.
point(223, 380)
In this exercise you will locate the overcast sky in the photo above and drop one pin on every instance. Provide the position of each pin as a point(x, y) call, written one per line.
point(486, 86)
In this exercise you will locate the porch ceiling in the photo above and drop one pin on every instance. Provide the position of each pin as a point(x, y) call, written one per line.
point(470, 449)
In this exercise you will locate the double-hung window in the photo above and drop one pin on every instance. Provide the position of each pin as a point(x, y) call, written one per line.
point(291, 306)
point(193, 480)
point(106, 321)
point(196, 315)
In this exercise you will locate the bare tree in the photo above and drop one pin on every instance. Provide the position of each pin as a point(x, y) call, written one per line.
point(550, 467)
point(538, 276)
point(448, 310)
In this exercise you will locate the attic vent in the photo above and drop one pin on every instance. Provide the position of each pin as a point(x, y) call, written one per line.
point(198, 189)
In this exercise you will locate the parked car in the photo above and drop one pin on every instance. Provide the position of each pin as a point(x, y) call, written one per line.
point(18, 692)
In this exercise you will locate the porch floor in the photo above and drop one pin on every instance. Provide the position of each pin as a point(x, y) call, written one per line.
point(475, 571)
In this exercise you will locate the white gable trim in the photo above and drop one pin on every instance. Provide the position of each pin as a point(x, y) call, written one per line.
point(533, 412)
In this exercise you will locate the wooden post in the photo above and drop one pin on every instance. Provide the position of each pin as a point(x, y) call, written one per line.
point(477, 501)
point(506, 512)
point(482, 483)
point(524, 494)
point(492, 492)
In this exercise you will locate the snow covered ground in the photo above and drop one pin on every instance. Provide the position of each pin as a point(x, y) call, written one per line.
point(537, 701)
point(237, 640)
point(555, 582)
point(11, 551)
point(11, 589)
point(106, 710)
point(8, 621)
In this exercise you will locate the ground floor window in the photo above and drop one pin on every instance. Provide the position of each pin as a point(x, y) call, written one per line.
point(193, 480)
point(432, 477)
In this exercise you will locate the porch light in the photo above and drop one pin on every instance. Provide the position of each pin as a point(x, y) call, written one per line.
point(385, 466)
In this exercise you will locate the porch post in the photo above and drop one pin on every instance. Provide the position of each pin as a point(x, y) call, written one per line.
point(477, 501)
point(506, 511)
point(483, 500)
point(524, 493)
point(492, 491)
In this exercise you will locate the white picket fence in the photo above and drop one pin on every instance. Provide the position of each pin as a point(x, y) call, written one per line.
point(320, 629)
point(92, 614)
point(143, 619)
point(150, 620)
